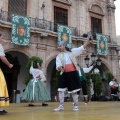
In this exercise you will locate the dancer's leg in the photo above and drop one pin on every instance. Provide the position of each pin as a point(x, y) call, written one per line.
point(61, 99)
point(75, 100)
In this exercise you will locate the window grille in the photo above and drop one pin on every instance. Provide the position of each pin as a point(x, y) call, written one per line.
point(18, 7)
point(96, 26)
point(60, 17)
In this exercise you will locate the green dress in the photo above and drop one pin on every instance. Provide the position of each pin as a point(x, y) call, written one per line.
point(35, 90)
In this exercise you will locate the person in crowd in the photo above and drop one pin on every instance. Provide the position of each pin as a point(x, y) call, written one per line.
point(114, 88)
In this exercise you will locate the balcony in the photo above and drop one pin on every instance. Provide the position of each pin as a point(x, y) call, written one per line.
point(36, 23)
point(43, 24)
point(94, 36)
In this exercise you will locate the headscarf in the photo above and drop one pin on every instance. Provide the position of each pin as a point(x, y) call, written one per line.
point(65, 44)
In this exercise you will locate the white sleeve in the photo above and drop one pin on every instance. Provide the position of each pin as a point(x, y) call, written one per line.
point(111, 83)
point(58, 62)
point(1, 51)
point(42, 76)
point(31, 69)
point(87, 70)
point(78, 51)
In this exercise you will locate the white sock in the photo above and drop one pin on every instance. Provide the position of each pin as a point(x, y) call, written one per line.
point(75, 99)
point(1, 109)
point(61, 98)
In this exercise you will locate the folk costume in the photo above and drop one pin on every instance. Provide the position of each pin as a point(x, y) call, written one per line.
point(114, 89)
point(82, 76)
point(69, 78)
point(35, 90)
point(4, 98)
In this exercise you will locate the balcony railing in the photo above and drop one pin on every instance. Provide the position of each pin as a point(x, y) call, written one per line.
point(36, 23)
point(94, 36)
point(43, 24)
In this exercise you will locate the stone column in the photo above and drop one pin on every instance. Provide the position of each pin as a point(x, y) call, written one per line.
point(111, 19)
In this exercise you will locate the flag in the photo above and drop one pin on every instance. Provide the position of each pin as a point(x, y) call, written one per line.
point(102, 46)
point(20, 30)
point(64, 34)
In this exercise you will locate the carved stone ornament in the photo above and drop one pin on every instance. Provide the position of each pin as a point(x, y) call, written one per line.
point(68, 2)
point(96, 9)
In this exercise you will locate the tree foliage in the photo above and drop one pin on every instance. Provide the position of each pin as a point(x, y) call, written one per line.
point(108, 76)
point(97, 84)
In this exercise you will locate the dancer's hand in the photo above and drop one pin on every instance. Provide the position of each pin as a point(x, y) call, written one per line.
point(90, 38)
point(10, 66)
point(60, 68)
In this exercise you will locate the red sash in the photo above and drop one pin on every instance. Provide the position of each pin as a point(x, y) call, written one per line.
point(69, 68)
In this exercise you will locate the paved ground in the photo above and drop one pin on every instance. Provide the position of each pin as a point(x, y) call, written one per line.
point(93, 111)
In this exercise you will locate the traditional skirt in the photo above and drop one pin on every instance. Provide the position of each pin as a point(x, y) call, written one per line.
point(69, 81)
point(35, 91)
point(4, 99)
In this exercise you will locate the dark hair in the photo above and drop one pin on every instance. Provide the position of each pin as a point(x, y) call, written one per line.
point(36, 65)
point(68, 49)
point(0, 34)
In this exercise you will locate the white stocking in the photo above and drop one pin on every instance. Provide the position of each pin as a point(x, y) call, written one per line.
point(1, 109)
point(61, 98)
point(75, 99)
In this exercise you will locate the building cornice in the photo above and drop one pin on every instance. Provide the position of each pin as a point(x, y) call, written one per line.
point(68, 2)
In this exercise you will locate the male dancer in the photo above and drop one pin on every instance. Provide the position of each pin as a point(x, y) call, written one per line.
point(69, 78)
point(83, 82)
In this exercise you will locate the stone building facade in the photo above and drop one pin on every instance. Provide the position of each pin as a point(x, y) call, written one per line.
point(82, 16)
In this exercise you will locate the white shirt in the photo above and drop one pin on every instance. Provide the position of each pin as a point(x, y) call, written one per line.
point(86, 70)
point(112, 83)
point(67, 60)
point(37, 72)
point(1, 51)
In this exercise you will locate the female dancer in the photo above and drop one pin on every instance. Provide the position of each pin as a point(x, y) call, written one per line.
point(35, 90)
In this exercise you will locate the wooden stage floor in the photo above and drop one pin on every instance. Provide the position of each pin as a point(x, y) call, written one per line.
point(93, 111)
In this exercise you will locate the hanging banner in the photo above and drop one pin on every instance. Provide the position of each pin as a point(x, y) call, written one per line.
point(102, 47)
point(64, 34)
point(20, 30)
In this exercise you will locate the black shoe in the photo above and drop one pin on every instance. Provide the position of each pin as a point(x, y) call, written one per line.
point(44, 104)
point(30, 105)
point(3, 112)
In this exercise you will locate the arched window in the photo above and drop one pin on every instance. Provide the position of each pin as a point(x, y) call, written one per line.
point(18, 7)
point(96, 18)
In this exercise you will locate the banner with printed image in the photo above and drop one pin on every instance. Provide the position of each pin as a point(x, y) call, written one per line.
point(65, 34)
point(20, 30)
point(102, 46)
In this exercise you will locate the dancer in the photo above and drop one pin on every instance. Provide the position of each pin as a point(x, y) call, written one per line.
point(69, 78)
point(114, 85)
point(82, 72)
point(4, 98)
point(35, 90)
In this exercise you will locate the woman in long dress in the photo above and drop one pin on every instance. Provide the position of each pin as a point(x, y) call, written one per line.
point(4, 98)
point(35, 90)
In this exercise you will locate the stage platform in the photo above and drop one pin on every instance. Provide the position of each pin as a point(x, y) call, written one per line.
point(92, 111)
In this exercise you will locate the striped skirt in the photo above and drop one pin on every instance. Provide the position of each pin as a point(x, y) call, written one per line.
point(4, 99)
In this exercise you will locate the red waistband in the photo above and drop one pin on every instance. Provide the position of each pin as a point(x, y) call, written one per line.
point(69, 68)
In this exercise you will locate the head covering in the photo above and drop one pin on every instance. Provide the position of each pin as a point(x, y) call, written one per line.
point(65, 44)
point(62, 43)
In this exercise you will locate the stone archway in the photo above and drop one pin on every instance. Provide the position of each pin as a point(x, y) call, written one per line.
point(11, 74)
point(51, 72)
point(102, 70)
point(15, 77)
